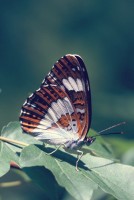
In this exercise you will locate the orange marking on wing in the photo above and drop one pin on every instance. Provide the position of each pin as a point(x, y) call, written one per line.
point(78, 101)
point(44, 107)
point(66, 66)
point(81, 116)
point(27, 129)
point(30, 119)
point(83, 131)
point(73, 60)
point(59, 66)
point(51, 92)
point(29, 125)
point(45, 97)
point(63, 121)
point(63, 65)
point(30, 109)
point(58, 73)
point(60, 92)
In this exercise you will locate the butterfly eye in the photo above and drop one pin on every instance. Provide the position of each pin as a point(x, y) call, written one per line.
point(89, 140)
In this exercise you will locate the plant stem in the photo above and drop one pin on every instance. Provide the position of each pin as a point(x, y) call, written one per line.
point(13, 141)
point(10, 184)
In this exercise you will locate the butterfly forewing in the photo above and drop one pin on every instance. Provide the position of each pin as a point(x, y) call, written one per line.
point(60, 109)
point(71, 75)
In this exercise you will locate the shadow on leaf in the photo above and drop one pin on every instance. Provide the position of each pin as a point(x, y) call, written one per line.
point(69, 158)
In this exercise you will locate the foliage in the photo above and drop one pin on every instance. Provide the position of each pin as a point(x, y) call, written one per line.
point(57, 172)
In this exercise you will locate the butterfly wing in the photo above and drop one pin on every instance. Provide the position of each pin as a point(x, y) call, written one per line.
point(71, 75)
point(60, 110)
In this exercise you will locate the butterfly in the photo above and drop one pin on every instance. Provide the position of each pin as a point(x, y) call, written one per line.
point(59, 112)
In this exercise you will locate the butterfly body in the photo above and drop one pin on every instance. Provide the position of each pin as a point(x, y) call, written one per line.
point(59, 112)
point(77, 144)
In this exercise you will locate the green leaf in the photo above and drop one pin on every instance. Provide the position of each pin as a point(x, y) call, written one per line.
point(8, 151)
point(6, 156)
point(4, 167)
point(128, 157)
point(46, 180)
point(79, 186)
point(113, 178)
point(14, 131)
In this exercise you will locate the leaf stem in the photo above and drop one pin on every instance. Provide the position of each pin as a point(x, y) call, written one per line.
point(10, 184)
point(13, 141)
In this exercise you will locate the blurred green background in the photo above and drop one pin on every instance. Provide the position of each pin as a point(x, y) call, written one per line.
point(35, 34)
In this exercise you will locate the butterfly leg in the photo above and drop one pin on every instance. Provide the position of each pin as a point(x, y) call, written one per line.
point(54, 150)
point(79, 156)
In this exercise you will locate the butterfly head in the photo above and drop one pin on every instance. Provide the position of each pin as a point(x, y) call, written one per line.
point(89, 140)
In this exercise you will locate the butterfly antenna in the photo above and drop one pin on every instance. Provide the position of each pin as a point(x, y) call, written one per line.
point(113, 133)
point(100, 133)
point(121, 123)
